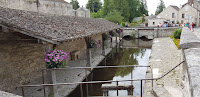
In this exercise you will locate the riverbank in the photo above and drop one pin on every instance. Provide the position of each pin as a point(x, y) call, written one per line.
point(163, 58)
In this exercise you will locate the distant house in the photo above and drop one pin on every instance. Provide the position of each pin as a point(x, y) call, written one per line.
point(170, 14)
point(155, 21)
point(188, 14)
point(26, 35)
point(82, 12)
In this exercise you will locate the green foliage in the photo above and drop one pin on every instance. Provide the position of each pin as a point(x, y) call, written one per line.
point(177, 33)
point(123, 24)
point(98, 14)
point(177, 22)
point(108, 7)
point(160, 8)
point(94, 4)
point(114, 16)
point(123, 7)
point(126, 9)
point(134, 21)
point(143, 19)
point(143, 10)
point(75, 4)
point(134, 24)
point(132, 34)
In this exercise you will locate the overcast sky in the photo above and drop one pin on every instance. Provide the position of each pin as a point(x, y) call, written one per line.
point(152, 4)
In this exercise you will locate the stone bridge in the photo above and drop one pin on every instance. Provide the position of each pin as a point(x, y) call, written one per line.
point(149, 33)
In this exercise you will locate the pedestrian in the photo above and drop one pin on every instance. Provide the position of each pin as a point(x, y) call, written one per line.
point(192, 26)
point(126, 25)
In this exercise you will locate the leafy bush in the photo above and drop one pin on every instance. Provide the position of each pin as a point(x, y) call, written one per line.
point(123, 24)
point(114, 16)
point(177, 33)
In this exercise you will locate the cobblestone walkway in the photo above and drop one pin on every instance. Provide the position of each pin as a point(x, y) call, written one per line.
point(163, 58)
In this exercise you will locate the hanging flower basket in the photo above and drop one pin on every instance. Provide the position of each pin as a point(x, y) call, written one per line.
point(112, 34)
point(106, 36)
point(119, 31)
point(56, 58)
point(94, 44)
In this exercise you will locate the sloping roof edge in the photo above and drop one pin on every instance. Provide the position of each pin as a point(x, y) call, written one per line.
point(53, 28)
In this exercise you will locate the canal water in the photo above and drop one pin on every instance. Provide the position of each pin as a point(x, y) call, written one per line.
point(131, 52)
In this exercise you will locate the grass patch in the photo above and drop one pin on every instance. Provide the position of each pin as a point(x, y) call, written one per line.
point(176, 41)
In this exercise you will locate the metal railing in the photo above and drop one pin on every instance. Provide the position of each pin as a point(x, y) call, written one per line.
point(97, 82)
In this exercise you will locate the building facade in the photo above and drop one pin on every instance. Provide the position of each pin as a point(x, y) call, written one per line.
point(170, 14)
point(58, 7)
point(188, 14)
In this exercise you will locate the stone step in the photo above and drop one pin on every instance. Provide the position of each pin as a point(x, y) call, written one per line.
point(161, 92)
point(176, 92)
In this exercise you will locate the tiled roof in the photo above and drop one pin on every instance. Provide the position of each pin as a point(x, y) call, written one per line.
point(175, 7)
point(51, 27)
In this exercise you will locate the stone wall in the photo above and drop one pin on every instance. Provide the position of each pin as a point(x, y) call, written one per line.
point(150, 33)
point(20, 63)
point(189, 44)
point(43, 6)
point(78, 45)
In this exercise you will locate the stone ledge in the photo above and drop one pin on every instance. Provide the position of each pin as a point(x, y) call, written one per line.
point(193, 63)
point(189, 39)
point(6, 94)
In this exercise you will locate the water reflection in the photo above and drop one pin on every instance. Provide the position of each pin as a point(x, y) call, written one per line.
point(132, 52)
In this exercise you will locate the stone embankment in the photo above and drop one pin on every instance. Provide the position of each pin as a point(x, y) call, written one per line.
point(164, 56)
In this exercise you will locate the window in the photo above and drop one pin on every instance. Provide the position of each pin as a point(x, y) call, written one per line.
point(186, 8)
point(173, 15)
point(183, 15)
point(153, 23)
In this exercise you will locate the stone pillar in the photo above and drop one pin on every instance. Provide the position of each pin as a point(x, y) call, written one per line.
point(155, 32)
point(198, 18)
point(137, 35)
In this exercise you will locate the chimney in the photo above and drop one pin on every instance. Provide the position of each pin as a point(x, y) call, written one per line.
point(191, 2)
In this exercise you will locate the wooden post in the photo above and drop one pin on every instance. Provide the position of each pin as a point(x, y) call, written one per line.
point(53, 75)
point(103, 49)
point(111, 42)
point(116, 42)
point(88, 52)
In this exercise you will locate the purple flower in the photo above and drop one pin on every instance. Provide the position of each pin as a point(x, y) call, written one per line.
point(47, 60)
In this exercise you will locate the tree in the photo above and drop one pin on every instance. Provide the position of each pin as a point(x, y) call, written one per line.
point(98, 14)
point(160, 8)
point(133, 8)
point(123, 7)
point(143, 10)
point(75, 4)
point(107, 7)
point(114, 16)
point(96, 4)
